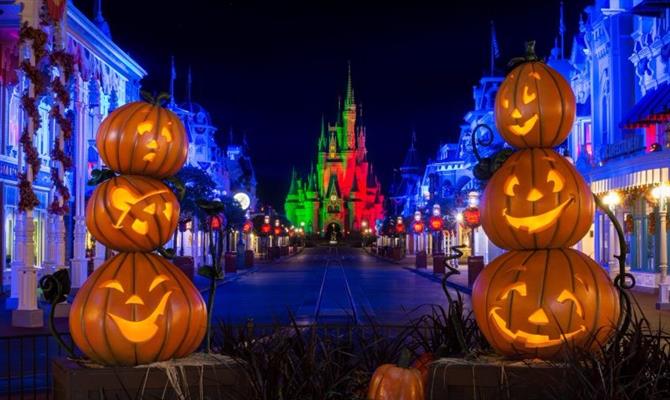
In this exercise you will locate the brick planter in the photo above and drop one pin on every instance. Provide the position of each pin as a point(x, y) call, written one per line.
point(220, 377)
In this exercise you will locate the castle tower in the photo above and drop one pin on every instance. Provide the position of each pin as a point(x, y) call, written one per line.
point(340, 192)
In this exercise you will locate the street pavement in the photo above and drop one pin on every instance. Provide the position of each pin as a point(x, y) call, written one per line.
point(331, 285)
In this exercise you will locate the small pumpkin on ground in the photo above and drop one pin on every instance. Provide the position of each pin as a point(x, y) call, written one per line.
point(397, 382)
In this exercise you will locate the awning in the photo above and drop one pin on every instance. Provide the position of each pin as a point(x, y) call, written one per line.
point(631, 180)
point(653, 108)
point(650, 8)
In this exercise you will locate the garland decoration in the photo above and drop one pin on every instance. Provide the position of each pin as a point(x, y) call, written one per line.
point(36, 39)
point(62, 162)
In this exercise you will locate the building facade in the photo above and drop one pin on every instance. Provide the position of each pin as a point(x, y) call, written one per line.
point(619, 73)
point(104, 78)
point(341, 194)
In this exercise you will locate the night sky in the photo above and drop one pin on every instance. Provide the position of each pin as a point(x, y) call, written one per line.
point(270, 69)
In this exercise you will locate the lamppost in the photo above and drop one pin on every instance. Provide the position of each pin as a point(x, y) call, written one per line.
point(611, 200)
point(661, 193)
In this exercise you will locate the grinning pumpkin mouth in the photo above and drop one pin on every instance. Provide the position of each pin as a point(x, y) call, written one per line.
point(522, 128)
point(141, 331)
point(530, 340)
point(537, 223)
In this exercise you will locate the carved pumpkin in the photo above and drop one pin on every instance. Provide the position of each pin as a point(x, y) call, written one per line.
point(537, 199)
point(529, 303)
point(140, 138)
point(534, 107)
point(132, 213)
point(137, 308)
point(396, 382)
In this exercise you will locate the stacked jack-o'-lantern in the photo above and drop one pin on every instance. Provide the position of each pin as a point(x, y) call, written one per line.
point(541, 295)
point(137, 307)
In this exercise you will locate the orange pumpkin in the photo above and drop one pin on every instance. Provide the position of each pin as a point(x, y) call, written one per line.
point(534, 107)
point(140, 138)
point(137, 308)
point(396, 382)
point(132, 213)
point(531, 303)
point(537, 199)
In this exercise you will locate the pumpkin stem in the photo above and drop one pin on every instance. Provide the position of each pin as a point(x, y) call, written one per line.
point(528, 57)
point(405, 358)
point(161, 99)
point(148, 96)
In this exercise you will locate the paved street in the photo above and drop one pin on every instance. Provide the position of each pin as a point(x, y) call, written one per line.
point(331, 284)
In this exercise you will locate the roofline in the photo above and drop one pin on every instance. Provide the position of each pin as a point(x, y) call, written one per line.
point(83, 30)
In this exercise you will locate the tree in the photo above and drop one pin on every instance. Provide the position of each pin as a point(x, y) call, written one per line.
point(197, 184)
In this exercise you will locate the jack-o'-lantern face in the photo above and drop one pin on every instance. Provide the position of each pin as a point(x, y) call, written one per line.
point(530, 303)
point(144, 329)
point(132, 213)
point(534, 107)
point(536, 200)
point(143, 139)
point(137, 308)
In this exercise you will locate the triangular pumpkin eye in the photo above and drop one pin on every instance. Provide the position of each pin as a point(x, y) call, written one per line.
point(150, 209)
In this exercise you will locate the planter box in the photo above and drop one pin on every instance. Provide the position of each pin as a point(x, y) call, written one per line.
point(219, 375)
point(248, 259)
point(455, 378)
point(475, 266)
point(230, 259)
point(421, 260)
point(438, 263)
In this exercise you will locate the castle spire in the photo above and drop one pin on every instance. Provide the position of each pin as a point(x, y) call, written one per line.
point(293, 188)
point(349, 98)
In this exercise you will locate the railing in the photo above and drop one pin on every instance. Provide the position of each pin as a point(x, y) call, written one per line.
point(25, 365)
point(25, 360)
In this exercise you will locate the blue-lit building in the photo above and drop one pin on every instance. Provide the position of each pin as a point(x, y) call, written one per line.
point(619, 72)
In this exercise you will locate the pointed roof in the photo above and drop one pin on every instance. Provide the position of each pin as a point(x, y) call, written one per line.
point(412, 157)
point(371, 177)
point(323, 146)
point(349, 98)
point(333, 187)
point(293, 189)
point(354, 185)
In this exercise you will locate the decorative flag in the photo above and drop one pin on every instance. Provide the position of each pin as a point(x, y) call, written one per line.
point(56, 9)
point(495, 50)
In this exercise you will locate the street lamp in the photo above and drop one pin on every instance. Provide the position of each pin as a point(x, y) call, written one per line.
point(611, 200)
point(661, 193)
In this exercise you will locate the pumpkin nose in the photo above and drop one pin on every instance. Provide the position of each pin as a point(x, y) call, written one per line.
point(534, 195)
point(135, 299)
point(539, 317)
point(516, 113)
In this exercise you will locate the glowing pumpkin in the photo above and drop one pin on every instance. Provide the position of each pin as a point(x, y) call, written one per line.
point(396, 382)
point(132, 213)
point(534, 107)
point(140, 138)
point(531, 303)
point(137, 308)
point(537, 199)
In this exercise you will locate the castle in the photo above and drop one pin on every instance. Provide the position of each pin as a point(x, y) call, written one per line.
point(341, 194)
